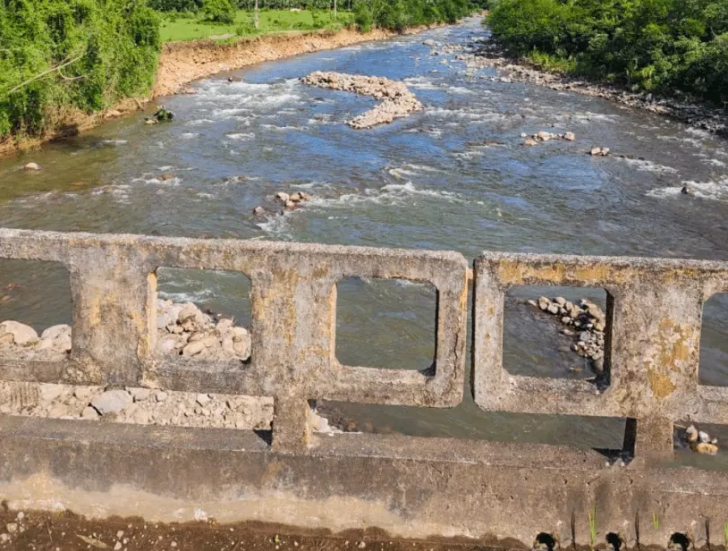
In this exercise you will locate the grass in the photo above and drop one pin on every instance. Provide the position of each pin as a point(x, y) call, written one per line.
point(183, 28)
point(593, 528)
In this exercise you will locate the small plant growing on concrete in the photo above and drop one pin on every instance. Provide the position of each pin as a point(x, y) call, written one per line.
point(655, 521)
point(593, 527)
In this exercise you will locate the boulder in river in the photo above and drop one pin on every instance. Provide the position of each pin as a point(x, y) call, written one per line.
point(32, 167)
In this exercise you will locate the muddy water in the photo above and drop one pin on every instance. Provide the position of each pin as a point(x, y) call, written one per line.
point(454, 177)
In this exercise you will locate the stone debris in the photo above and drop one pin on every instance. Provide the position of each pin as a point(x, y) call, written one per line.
point(543, 136)
point(32, 167)
point(22, 340)
point(290, 201)
point(585, 322)
point(396, 99)
point(183, 329)
point(146, 407)
point(111, 401)
point(599, 152)
point(700, 441)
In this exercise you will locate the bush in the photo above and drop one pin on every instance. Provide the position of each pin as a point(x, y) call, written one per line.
point(176, 5)
point(219, 11)
point(667, 46)
point(56, 55)
point(363, 17)
point(399, 14)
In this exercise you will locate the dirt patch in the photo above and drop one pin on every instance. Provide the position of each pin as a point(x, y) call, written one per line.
point(66, 531)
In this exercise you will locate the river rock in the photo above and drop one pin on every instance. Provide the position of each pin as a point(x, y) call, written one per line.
point(429, 42)
point(706, 448)
point(282, 197)
point(22, 335)
point(193, 349)
point(56, 331)
point(258, 211)
point(32, 167)
point(569, 136)
point(89, 413)
point(111, 401)
point(530, 142)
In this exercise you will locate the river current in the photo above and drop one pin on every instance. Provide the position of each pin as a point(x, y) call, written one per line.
point(452, 177)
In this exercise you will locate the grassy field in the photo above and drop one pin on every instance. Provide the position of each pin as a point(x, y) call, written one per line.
point(179, 29)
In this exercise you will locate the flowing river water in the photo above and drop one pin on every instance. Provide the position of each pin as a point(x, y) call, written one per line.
point(453, 177)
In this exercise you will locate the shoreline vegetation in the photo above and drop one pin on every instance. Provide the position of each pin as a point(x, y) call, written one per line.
point(667, 56)
point(66, 67)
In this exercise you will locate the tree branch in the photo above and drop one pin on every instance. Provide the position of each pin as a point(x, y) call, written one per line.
point(43, 74)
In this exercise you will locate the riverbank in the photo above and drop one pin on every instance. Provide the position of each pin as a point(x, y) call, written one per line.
point(184, 62)
point(489, 54)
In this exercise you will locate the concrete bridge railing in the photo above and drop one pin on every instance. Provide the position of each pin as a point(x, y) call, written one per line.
point(409, 486)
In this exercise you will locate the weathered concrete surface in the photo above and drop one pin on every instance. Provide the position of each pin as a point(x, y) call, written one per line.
point(651, 347)
point(408, 486)
point(293, 303)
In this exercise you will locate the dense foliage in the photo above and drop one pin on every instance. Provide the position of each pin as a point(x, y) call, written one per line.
point(60, 54)
point(219, 11)
point(667, 46)
point(391, 14)
point(400, 14)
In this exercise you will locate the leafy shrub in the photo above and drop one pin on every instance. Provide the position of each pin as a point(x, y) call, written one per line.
point(219, 11)
point(176, 5)
point(56, 55)
point(363, 17)
point(245, 29)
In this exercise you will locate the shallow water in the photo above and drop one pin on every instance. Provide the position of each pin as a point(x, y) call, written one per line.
point(453, 177)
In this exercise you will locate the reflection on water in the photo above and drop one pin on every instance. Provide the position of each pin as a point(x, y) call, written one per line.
point(453, 177)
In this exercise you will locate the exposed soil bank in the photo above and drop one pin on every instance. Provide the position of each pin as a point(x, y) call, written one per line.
point(40, 530)
point(184, 62)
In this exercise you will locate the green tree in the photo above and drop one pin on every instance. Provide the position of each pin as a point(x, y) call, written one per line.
point(219, 11)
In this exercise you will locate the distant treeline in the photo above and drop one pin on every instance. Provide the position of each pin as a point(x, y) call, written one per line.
point(665, 46)
point(57, 55)
point(389, 14)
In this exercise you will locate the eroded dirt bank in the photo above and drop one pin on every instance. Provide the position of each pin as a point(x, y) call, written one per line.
point(63, 530)
point(184, 62)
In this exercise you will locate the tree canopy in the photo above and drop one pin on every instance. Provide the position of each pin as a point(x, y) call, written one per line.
point(667, 46)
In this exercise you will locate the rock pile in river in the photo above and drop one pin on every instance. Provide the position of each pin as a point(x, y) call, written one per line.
point(185, 330)
point(182, 329)
point(586, 322)
point(396, 99)
point(700, 441)
point(53, 343)
point(543, 136)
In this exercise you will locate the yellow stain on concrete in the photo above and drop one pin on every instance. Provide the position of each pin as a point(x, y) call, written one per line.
point(660, 383)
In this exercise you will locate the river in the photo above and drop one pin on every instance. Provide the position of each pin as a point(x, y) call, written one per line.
point(452, 177)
